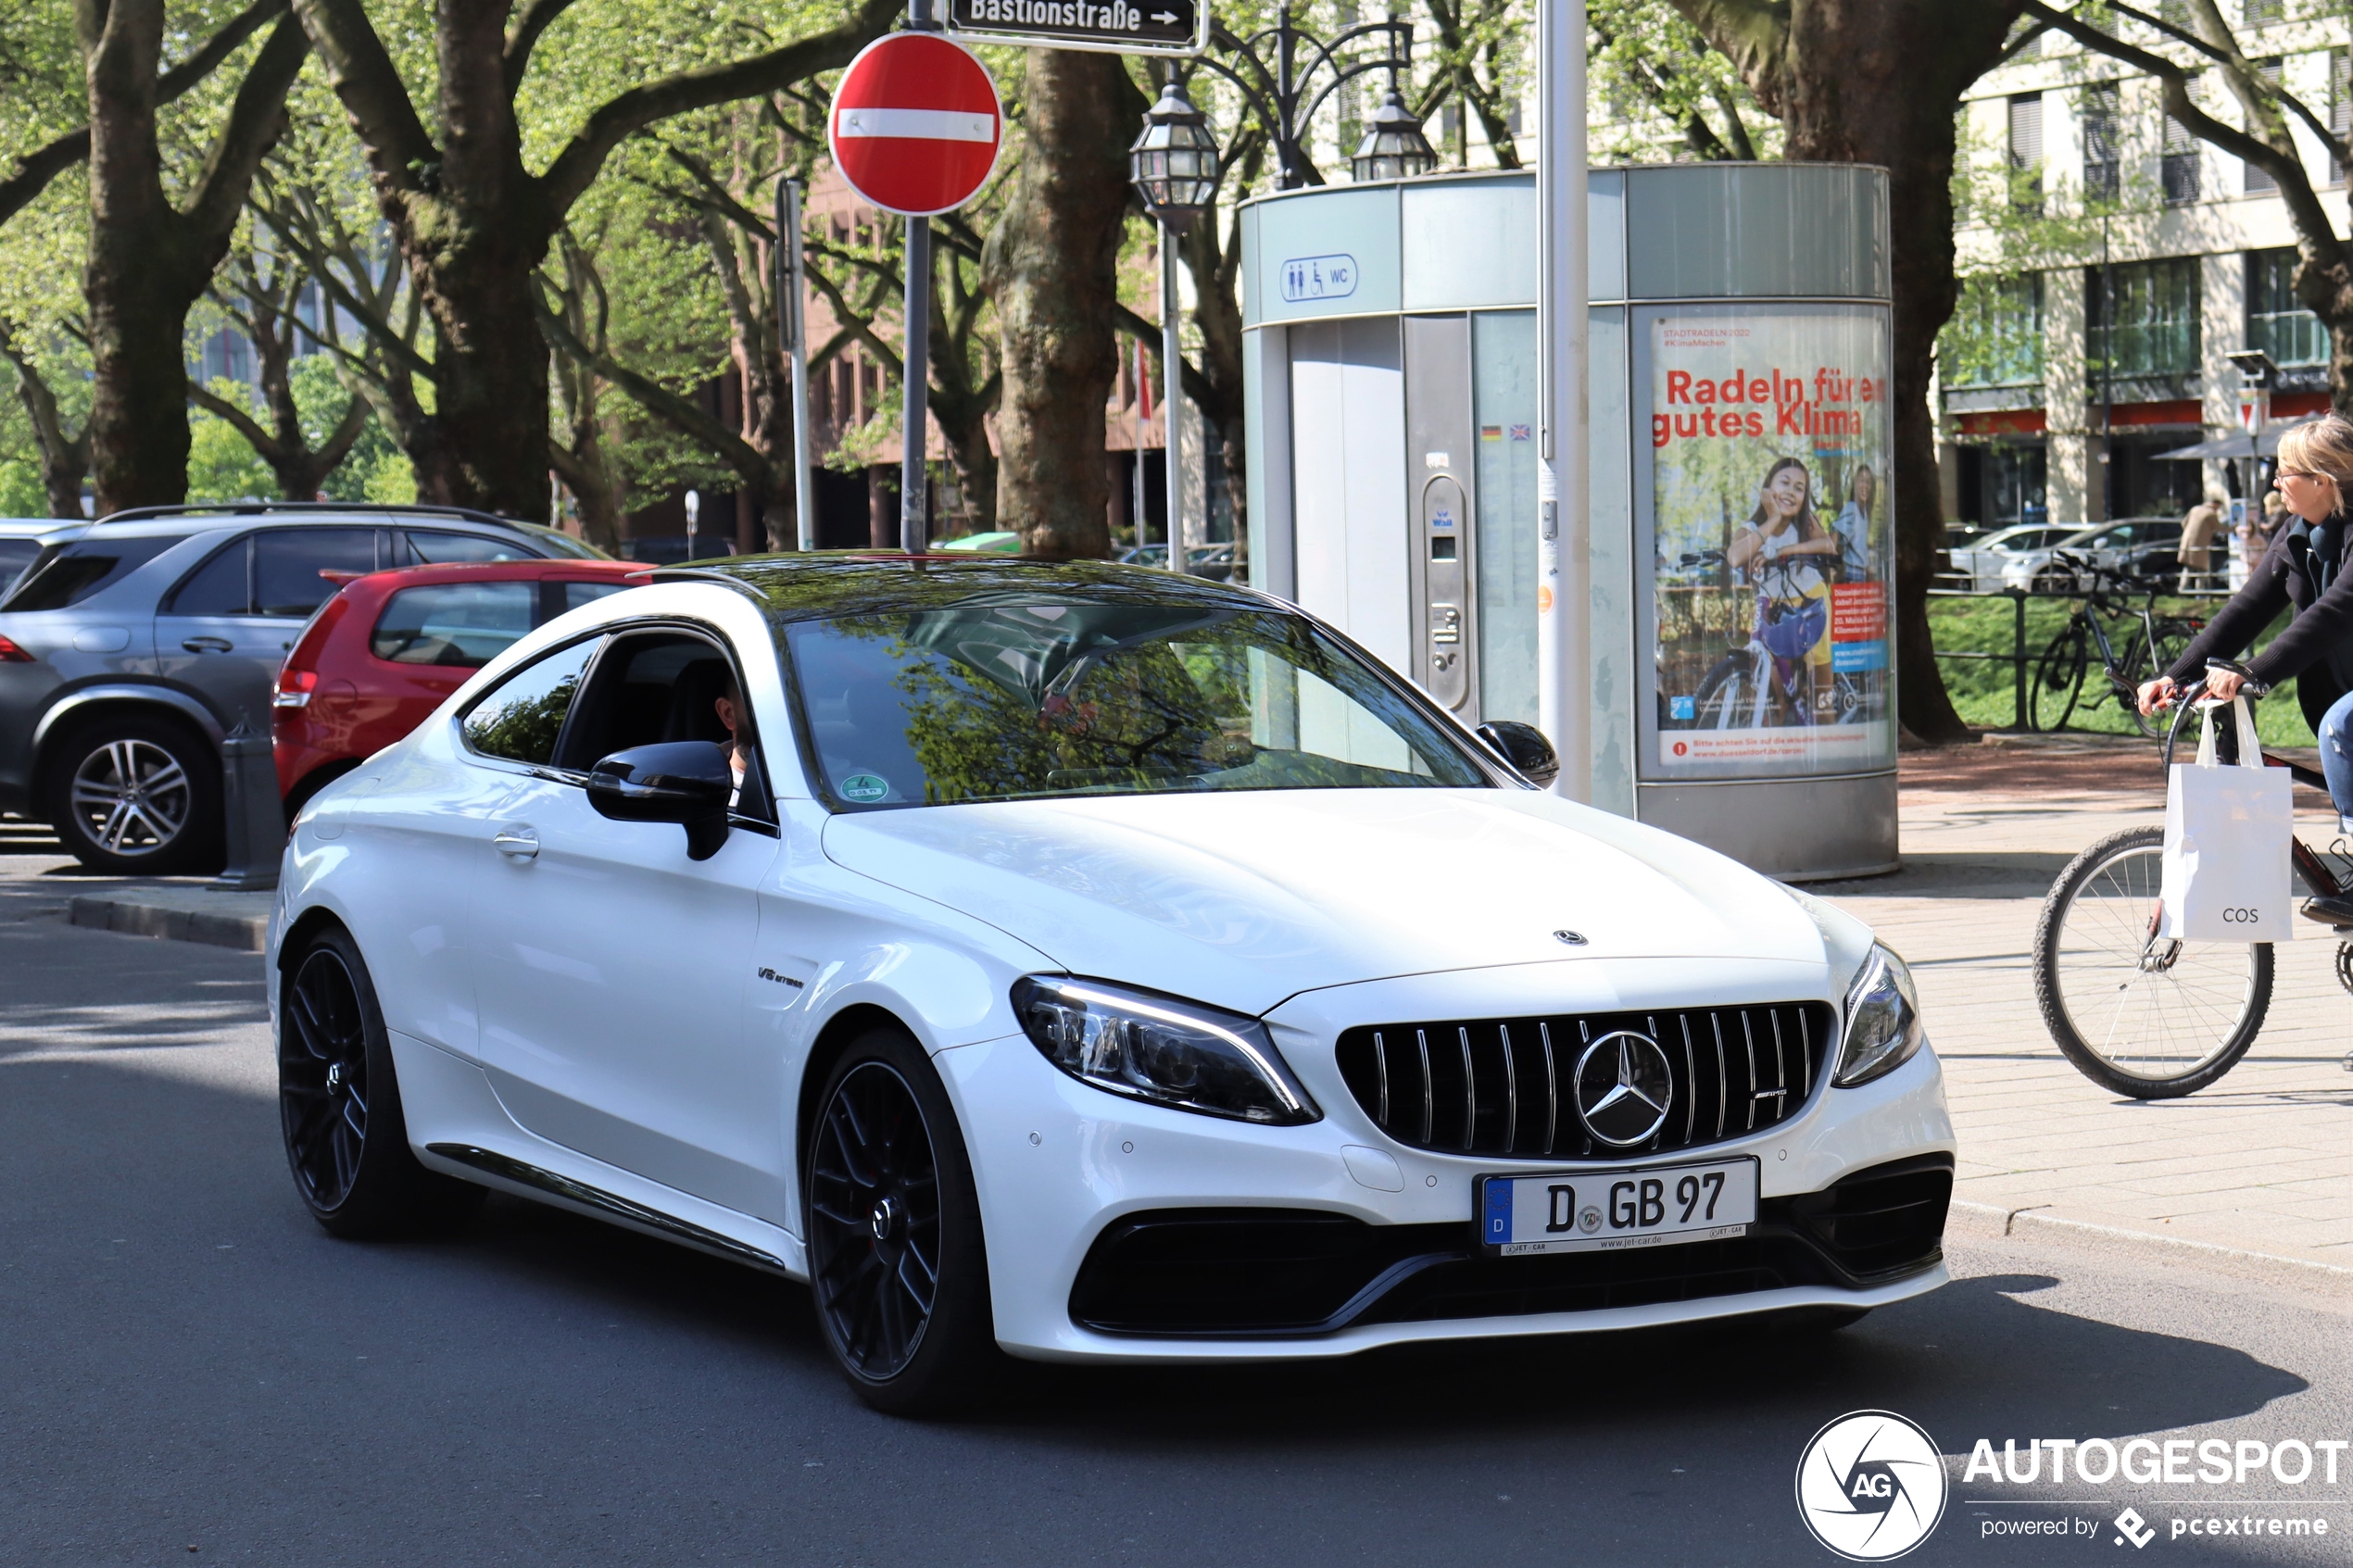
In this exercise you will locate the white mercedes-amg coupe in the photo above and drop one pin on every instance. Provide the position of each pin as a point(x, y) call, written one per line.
point(1082, 962)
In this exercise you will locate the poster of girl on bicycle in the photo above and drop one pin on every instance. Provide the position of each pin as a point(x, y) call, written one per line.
point(1769, 439)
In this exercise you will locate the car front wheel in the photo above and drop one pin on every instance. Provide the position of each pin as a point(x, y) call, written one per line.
point(136, 795)
point(895, 1255)
point(339, 1103)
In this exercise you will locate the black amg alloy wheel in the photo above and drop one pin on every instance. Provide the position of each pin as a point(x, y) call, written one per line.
point(339, 1103)
point(895, 1255)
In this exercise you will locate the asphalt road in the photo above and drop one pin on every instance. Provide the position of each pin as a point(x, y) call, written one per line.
point(189, 1366)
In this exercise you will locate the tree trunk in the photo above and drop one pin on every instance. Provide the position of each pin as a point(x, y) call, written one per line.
point(64, 459)
point(1217, 314)
point(1880, 82)
point(1051, 266)
point(881, 509)
point(149, 261)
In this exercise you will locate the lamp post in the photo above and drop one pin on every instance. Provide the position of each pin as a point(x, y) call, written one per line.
point(1273, 69)
point(1175, 166)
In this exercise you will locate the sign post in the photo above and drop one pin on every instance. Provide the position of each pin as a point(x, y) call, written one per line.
point(791, 280)
point(1564, 485)
point(915, 130)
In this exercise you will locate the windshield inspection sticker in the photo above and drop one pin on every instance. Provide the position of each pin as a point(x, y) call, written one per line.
point(865, 788)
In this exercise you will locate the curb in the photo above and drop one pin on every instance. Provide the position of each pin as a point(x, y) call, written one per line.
point(1985, 1222)
point(136, 917)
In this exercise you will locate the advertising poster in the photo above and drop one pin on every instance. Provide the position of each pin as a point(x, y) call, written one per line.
point(1769, 450)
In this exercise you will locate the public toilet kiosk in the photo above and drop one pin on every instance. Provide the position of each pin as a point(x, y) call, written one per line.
point(1740, 532)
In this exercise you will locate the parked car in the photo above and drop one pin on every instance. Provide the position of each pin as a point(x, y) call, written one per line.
point(2127, 544)
point(20, 542)
point(996, 541)
point(1978, 565)
point(562, 545)
point(131, 646)
point(1214, 562)
point(386, 651)
point(1037, 958)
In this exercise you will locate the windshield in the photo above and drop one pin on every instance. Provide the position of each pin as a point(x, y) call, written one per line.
point(1017, 697)
point(66, 575)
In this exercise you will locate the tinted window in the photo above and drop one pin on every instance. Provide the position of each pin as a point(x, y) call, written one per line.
point(462, 624)
point(578, 594)
point(66, 575)
point(15, 556)
point(437, 549)
point(222, 585)
point(521, 718)
point(1001, 700)
point(286, 563)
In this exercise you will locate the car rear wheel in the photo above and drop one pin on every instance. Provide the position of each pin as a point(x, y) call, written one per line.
point(895, 1255)
point(136, 795)
point(339, 1104)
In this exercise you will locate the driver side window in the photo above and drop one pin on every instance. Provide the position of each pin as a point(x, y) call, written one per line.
point(663, 686)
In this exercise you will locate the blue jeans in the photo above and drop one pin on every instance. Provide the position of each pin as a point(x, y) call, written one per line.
point(2337, 753)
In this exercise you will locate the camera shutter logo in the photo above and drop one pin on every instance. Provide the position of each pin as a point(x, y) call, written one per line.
point(1872, 1485)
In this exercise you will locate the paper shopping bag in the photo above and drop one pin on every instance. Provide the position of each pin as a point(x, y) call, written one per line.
point(2227, 872)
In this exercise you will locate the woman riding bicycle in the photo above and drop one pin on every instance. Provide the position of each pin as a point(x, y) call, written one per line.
point(1783, 528)
point(2305, 567)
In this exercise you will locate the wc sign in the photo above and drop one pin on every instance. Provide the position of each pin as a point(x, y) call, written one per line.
point(1318, 277)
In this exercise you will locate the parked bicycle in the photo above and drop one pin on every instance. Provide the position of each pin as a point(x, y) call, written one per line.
point(2148, 1016)
point(1751, 685)
point(2147, 649)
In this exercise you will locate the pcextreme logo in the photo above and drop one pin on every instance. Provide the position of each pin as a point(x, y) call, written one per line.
point(1870, 1486)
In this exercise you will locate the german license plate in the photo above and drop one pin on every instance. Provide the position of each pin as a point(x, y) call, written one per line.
point(1605, 1210)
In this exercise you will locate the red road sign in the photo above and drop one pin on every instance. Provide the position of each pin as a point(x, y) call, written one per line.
point(916, 124)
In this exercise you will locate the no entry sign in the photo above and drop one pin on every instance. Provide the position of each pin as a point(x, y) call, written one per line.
point(916, 125)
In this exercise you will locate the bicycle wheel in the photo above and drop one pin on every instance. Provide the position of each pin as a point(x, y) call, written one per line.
point(1718, 703)
point(2059, 679)
point(2147, 1018)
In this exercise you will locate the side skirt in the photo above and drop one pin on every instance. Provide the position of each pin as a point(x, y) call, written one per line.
point(606, 1204)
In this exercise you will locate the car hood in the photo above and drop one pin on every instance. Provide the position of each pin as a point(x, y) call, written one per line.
point(1244, 900)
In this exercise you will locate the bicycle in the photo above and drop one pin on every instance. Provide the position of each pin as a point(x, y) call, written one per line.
point(2060, 675)
point(2151, 1017)
point(1768, 675)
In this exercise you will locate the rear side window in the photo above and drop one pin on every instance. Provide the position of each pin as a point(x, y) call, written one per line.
point(521, 718)
point(461, 624)
point(286, 563)
point(66, 575)
point(441, 549)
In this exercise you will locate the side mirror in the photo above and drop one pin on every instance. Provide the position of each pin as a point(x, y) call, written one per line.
point(686, 782)
point(1522, 746)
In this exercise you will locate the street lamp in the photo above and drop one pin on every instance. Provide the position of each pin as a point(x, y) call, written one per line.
point(1175, 162)
point(1175, 166)
point(1394, 148)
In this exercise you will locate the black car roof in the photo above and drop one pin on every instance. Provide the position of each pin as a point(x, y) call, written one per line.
point(822, 584)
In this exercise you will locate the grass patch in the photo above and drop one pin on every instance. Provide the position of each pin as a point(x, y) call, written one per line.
point(1982, 689)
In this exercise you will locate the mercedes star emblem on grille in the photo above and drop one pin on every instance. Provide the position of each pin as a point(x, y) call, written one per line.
point(1574, 938)
point(1623, 1088)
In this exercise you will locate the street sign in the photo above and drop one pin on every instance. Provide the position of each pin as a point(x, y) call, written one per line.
point(1124, 27)
point(916, 125)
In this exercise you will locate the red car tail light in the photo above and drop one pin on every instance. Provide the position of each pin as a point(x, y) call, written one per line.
point(11, 654)
point(295, 688)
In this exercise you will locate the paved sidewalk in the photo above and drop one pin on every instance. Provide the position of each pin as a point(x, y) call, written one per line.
point(2262, 1162)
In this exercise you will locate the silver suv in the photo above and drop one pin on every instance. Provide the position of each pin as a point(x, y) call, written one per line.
point(131, 646)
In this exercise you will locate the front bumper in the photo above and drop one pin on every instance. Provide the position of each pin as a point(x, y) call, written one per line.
point(1070, 1178)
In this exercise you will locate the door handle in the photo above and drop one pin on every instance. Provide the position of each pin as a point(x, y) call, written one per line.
point(516, 843)
point(207, 645)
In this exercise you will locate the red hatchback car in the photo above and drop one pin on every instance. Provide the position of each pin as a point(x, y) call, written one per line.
point(383, 654)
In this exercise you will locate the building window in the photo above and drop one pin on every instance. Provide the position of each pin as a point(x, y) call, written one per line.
point(1995, 336)
point(2103, 159)
point(2026, 152)
point(2177, 164)
point(2259, 183)
point(2340, 107)
point(2152, 330)
point(2276, 323)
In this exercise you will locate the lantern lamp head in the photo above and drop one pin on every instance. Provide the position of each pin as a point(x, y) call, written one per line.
point(1394, 147)
point(1174, 163)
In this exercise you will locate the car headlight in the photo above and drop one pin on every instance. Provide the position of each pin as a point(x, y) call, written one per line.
point(1155, 1049)
point(1884, 1029)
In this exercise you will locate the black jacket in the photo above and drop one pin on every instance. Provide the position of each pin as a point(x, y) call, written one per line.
point(2316, 644)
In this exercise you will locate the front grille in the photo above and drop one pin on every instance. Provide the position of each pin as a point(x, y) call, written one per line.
point(1503, 1086)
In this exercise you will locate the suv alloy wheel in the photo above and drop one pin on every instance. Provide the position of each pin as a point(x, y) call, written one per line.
point(132, 794)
